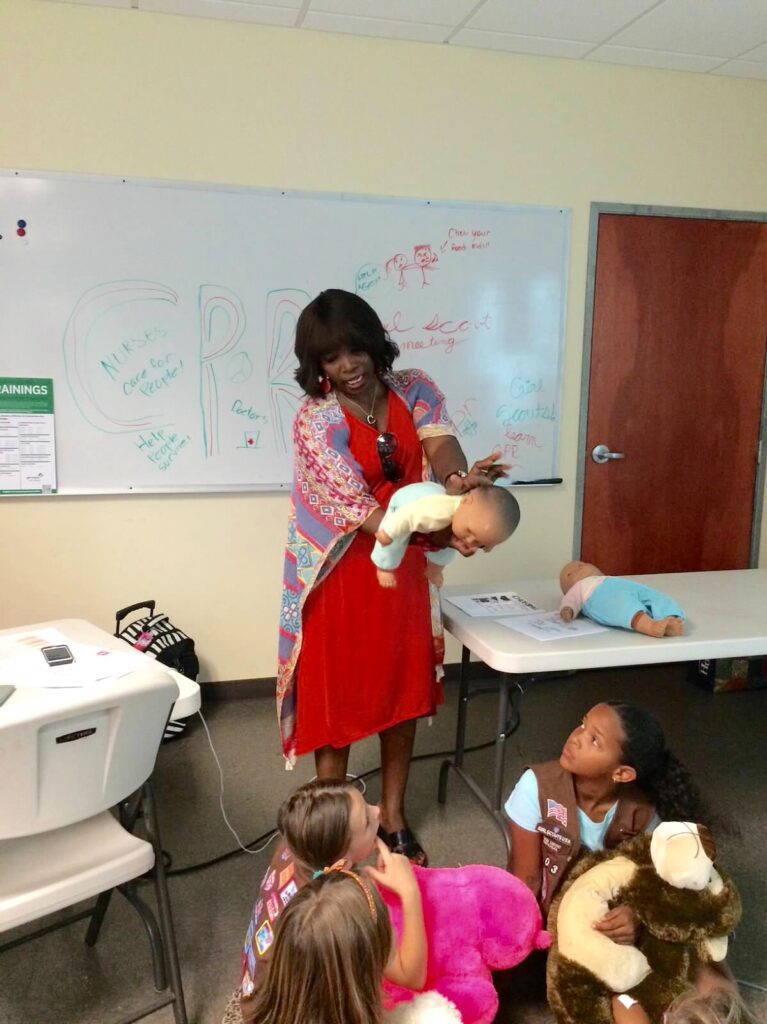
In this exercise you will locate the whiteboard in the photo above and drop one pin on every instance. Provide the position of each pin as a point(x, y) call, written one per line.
point(165, 314)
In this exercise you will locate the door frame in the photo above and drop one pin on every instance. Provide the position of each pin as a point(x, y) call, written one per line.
point(597, 209)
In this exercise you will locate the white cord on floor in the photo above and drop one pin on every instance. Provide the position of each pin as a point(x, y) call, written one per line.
point(221, 796)
point(751, 984)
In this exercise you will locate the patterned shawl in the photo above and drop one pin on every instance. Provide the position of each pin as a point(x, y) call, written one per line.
point(329, 501)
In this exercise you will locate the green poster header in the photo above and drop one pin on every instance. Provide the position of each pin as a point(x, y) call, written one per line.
point(26, 394)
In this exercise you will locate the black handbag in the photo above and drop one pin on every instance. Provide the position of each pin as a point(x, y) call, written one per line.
point(155, 635)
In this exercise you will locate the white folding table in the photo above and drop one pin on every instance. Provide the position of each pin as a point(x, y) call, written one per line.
point(726, 618)
point(187, 703)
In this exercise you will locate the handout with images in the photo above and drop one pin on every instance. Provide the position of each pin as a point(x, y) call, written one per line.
point(551, 626)
point(495, 606)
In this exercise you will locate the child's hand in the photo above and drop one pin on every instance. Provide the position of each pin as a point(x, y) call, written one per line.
point(383, 538)
point(620, 925)
point(394, 872)
point(566, 614)
point(407, 966)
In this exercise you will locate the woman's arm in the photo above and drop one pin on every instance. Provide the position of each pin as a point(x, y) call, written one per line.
point(445, 455)
point(525, 857)
point(446, 458)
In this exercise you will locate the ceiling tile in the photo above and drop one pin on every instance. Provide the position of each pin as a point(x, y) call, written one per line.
point(426, 12)
point(345, 23)
point(293, 4)
point(96, 3)
point(611, 54)
point(581, 20)
point(521, 44)
point(227, 10)
point(716, 28)
point(743, 69)
point(758, 53)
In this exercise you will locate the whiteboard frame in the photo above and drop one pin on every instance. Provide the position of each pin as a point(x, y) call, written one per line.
point(276, 193)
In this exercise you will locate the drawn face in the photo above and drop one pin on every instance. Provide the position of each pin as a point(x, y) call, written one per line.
point(350, 371)
point(423, 255)
point(595, 747)
point(398, 262)
point(363, 824)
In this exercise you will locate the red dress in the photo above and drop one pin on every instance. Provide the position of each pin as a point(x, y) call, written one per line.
point(367, 658)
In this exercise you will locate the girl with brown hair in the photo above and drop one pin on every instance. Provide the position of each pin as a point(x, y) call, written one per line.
point(326, 824)
point(333, 947)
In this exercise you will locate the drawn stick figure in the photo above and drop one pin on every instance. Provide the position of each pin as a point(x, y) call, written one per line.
point(424, 257)
point(397, 264)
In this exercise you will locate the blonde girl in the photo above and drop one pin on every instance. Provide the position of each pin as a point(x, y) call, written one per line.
point(720, 1006)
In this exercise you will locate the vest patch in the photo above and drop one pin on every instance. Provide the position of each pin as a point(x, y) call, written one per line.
point(553, 834)
point(264, 938)
point(288, 893)
point(556, 811)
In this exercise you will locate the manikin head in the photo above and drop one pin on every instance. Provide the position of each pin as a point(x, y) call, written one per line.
point(487, 516)
point(574, 572)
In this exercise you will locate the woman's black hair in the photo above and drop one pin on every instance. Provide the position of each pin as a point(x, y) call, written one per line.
point(336, 319)
point(660, 774)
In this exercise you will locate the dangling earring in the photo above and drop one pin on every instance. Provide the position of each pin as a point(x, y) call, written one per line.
point(325, 385)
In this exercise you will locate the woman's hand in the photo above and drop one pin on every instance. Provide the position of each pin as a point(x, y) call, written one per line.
point(483, 473)
point(619, 924)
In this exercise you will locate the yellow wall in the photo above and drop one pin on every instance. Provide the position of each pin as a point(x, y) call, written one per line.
point(118, 92)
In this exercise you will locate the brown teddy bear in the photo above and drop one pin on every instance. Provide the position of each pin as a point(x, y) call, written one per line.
point(686, 909)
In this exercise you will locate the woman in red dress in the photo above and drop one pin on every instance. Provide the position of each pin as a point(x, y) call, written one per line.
point(356, 658)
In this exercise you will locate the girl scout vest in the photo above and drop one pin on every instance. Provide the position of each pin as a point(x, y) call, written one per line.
point(560, 835)
point(283, 879)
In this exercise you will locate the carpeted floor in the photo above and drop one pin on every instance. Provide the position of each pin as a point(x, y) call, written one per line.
point(58, 980)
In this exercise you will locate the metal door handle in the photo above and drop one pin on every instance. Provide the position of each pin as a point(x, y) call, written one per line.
point(602, 454)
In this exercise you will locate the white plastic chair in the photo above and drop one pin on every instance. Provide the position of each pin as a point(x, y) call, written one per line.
point(66, 758)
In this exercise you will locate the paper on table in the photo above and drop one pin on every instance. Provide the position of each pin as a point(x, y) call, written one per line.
point(502, 602)
point(551, 626)
point(18, 644)
point(22, 664)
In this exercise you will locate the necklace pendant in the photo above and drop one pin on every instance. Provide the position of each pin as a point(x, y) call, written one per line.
point(371, 419)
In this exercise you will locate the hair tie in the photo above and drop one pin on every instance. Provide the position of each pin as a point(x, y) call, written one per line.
point(338, 868)
point(366, 890)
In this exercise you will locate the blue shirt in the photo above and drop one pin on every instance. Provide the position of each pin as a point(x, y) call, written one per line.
point(524, 809)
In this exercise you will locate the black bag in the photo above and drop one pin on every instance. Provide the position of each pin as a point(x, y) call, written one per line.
point(157, 636)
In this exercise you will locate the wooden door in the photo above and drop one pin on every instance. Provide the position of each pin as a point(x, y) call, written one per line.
point(677, 375)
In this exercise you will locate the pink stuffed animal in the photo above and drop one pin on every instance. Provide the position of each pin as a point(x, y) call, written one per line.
point(479, 919)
